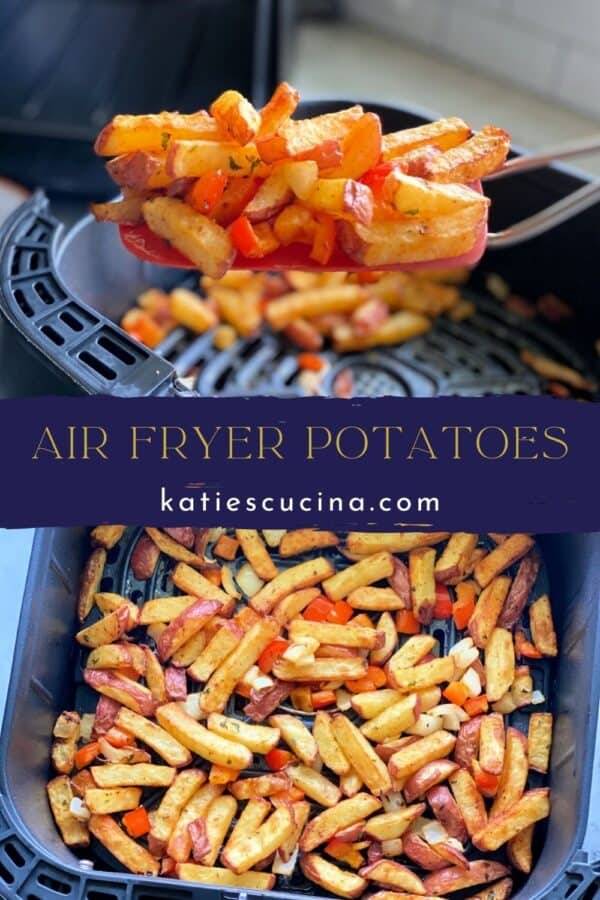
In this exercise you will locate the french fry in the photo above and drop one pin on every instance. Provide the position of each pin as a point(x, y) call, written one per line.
point(304, 575)
point(254, 550)
point(108, 603)
point(519, 850)
point(326, 824)
point(155, 737)
point(219, 877)
point(251, 849)
point(329, 749)
point(277, 110)
point(308, 138)
point(260, 786)
point(488, 608)
point(107, 535)
point(393, 875)
point(155, 677)
point(314, 302)
point(393, 720)
point(540, 741)
point(341, 198)
point(322, 669)
point(252, 816)
point(375, 599)
point(481, 871)
point(173, 548)
point(191, 311)
point(469, 801)
point(361, 755)
point(387, 627)
point(128, 211)
point(530, 808)
point(185, 626)
point(292, 605)
point(331, 877)
point(118, 656)
point(216, 651)
point(443, 134)
point(422, 582)
point(351, 783)
point(542, 626)
point(520, 589)
point(152, 133)
point(424, 675)
point(131, 694)
point(412, 652)
point(129, 853)
point(116, 775)
point(369, 704)
point(499, 663)
point(179, 845)
point(191, 582)
point(455, 557)
point(73, 831)
point(478, 156)
point(315, 785)
point(432, 774)
point(414, 756)
point(223, 681)
point(501, 890)
point(366, 542)
point(105, 630)
point(112, 800)
point(192, 159)
point(200, 740)
point(257, 738)
point(295, 542)
point(329, 633)
point(397, 328)
point(371, 569)
point(235, 116)
point(172, 804)
point(219, 817)
point(514, 772)
point(501, 557)
point(361, 148)
point(297, 736)
point(491, 743)
point(391, 825)
point(89, 584)
point(301, 811)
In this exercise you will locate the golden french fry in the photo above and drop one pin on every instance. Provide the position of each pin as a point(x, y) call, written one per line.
point(89, 584)
point(491, 743)
point(501, 890)
point(191, 582)
point(371, 569)
point(365, 542)
point(540, 741)
point(422, 582)
point(478, 156)
point(455, 557)
point(499, 663)
point(329, 749)
point(323, 826)
point(424, 675)
point(412, 757)
point(105, 630)
point(532, 806)
point(443, 134)
point(159, 740)
point(260, 786)
point(322, 669)
point(192, 159)
point(128, 211)
point(303, 539)
point(295, 733)
point(387, 627)
point(251, 849)
point(219, 877)
point(390, 825)
point(179, 845)
point(397, 328)
point(172, 804)
point(200, 740)
point(101, 801)
point(314, 302)
point(480, 871)
point(114, 775)
point(315, 785)
point(73, 831)
point(197, 237)
point(218, 819)
point(257, 738)
point(331, 877)
point(256, 553)
point(361, 755)
point(369, 704)
point(395, 719)
point(519, 850)
point(129, 853)
point(329, 633)
point(375, 599)
point(216, 651)
point(502, 556)
point(252, 816)
point(542, 626)
point(118, 656)
point(107, 535)
point(235, 116)
point(488, 608)
point(469, 801)
point(191, 311)
point(514, 772)
point(304, 575)
point(393, 875)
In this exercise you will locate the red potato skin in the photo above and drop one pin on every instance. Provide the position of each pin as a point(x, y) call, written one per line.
point(446, 811)
point(98, 677)
point(368, 317)
point(351, 833)
point(309, 870)
point(144, 558)
point(399, 582)
point(421, 853)
point(202, 609)
point(184, 536)
point(467, 742)
point(368, 869)
point(176, 682)
point(452, 878)
point(520, 589)
point(431, 774)
point(105, 715)
point(385, 751)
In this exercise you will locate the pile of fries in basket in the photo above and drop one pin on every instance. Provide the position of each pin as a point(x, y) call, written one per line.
point(236, 180)
point(283, 712)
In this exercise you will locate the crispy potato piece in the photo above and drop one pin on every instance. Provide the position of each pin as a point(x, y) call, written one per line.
point(200, 740)
point(331, 877)
point(329, 749)
point(417, 197)
point(292, 605)
point(312, 302)
point(361, 755)
point(371, 569)
point(202, 241)
point(443, 134)
point(191, 311)
point(550, 369)
point(322, 669)
point(412, 652)
point(191, 582)
point(375, 599)
point(366, 542)
point(386, 626)
point(235, 116)
point(114, 775)
point(89, 585)
point(223, 681)
point(303, 539)
point(257, 738)
point(139, 171)
point(361, 148)
point(255, 881)
point(412, 757)
point(467, 742)
point(491, 743)
point(165, 609)
point(171, 547)
point(219, 817)
point(73, 831)
point(129, 853)
point(469, 801)
point(501, 557)
point(429, 776)
point(190, 651)
point(152, 133)
point(394, 875)
point(105, 630)
point(369, 704)
point(273, 194)
point(422, 582)
point(192, 159)
point(499, 663)
point(107, 535)
point(301, 811)
point(390, 825)
point(519, 850)
point(315, 785)
point(260, 786)
point(128, 211)
point(277, 110)
point(514, 772)
point(485, 152)
point(155, 677)
point(297, 736)
point(309, 138)
point(397, 328)
point(63, 756)
point(520, 589)
point(251, 849)
point(342, 198)
point(112, 800)
point(540, 741)
point(67, 726)
point(241, 311)
point(216, 651)
point(325, 825)
point(172, 804)
point(488, 608)
point(455, 557)
point(395, 895)
point(501, 890)
point(454, 878)
point(445, 809)
point(186, 626)
point(155, 737)
point(304, 575)
point(532, 806)
point(179, 845)
point(254, 550)
point(107, 603)
point(226, 547)
point(118, 656)
point(252, 816)
point(131, 694)
point(393, 720)
point(351, 783)
point(329, 633)
point(424, 675)
point(542, 626)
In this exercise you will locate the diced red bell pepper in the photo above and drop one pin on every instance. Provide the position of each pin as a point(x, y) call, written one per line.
point(407, 622)
point(206, 192)
point(136, 822)
point(277, 759)
point(341, 613)
point(312, 362)
point(374, 678)
point(244, 237)
point(270, 654)
point(87, 754)
point(321, 699)
point(443, 602)
point(318, 609)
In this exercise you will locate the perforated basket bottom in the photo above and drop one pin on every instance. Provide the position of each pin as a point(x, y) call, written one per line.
point(118, 578)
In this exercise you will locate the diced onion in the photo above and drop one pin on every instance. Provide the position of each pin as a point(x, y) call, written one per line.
point(214, 534)
point(452, 715)
point(262, 682)
point(79, 810)
point(419, 824)
point(248, 581)
point(392, 847)
point(393, 801)
point(472, 682)
point(299, 653)
point(454, 842)
point(280, 867)
point(426, 724)
point(343, 699)
point(537, 697)
point(192, 707)
point(273, 536)
point(86, 726)
point(434, 833)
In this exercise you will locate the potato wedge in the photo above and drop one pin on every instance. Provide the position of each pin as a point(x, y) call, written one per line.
point(413, 196)
point(200, 740)
point(116, 775)
point(481, 871)
point(191, 582)
point(304, 575)
point(179, 844)
point(257, 738)
point(395, 329)
point(469, 801)
point(415, 755)
point(514, 772)
point(351, 783)
point(313, 302)
point(252, 816)
point(292, 605)
point(253, 548)
point(155, 737)
point(315, 785)
point(386, 626)
point(487, 610)
point(540, 741)
point(478, 156)
point(73, 831)
point(155, 677)
point(308, 138)
point(371, 569)
point(499, 663)
point(338, 635)
point(393, 720)
point(218, 818)
point(216, 651)
point(422, 582)
point(443, 134)
point(375, 599)
point(424, 675)
point(89, 584)
point(105, 630)
point(129, 853)
point(219, 877)
point(393, 875)
point(192, 159)
point(251, 849)
point(235, 116)
point(501, 557)
point(445, 809)
point(391, 825)
point(367, 542)
point(491, 743)
point(118, 656)
point(171, 806)
point(260, 786)
point(361, 148)
point(519, 850)
point(185, 626)
point(152, 133)
point(128, 211)
point(303, 539)
point(530, 808)
point(101, 801)
point(117, 687)
point(432, 774)
point(369, 704)
point(412, 652)
point(361, 755)
point(107, 535)
point(325, 825)
point(330, 877)
point(329, 749)
point(520, 589)
point(542, 626)
point(297, 736)
point(322, 669)
point(501, 890)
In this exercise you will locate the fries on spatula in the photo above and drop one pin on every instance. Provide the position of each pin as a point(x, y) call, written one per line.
point(240, 188)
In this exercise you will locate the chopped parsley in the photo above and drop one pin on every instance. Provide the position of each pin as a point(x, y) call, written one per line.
point(165, 137)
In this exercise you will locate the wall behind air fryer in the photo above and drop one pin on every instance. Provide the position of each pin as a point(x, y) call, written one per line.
point(548, 46)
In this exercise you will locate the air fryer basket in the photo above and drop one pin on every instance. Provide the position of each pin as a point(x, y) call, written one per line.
point(63, 297)
point(34, 863)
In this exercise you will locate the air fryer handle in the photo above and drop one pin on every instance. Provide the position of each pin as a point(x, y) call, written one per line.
point(83, 345)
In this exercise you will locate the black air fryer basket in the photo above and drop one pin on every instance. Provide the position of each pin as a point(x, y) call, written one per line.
point(34, 863)
point(62, 296)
